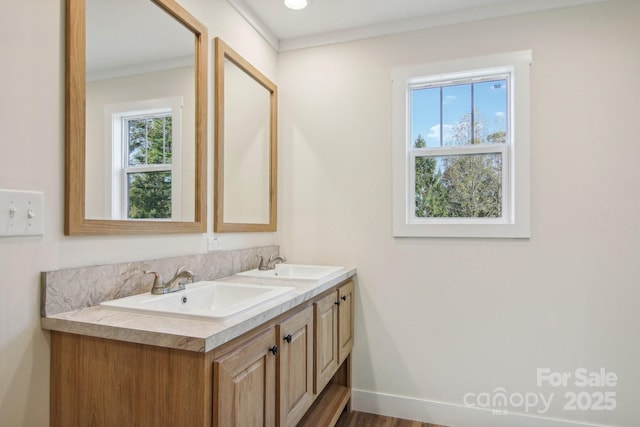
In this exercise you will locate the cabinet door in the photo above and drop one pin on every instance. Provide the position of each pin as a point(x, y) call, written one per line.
point(295, 369)
point(345, 321)
point(326, 345)
point(245, 384)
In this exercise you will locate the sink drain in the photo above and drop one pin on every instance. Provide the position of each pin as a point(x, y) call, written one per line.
point(184, 300)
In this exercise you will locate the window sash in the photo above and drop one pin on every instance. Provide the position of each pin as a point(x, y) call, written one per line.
point(439, 82)
point(167, 167)
point(126, 186)
point(126, 119)
point(507, 196)
point(458, 150)
point(456, 78)
point(129, 170)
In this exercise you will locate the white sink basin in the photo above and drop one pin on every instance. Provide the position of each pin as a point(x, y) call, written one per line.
point(207, 300)
point(294, 271)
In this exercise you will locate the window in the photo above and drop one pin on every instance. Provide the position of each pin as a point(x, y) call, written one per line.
point(145, 154)
point(460, 148)
point(147, 171)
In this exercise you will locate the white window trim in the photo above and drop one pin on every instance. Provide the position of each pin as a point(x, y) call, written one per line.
point(116, 186)
point(516, 222)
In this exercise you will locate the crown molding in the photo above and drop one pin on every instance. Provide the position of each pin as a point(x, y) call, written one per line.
point(252, 19)
point(402, 26)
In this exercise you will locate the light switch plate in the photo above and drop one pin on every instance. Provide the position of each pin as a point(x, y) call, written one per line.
point(21, 213)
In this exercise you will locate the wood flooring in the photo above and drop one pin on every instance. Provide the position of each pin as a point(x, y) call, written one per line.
point(361, 419)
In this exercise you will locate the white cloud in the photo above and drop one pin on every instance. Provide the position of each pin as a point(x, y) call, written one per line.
point(434, 132)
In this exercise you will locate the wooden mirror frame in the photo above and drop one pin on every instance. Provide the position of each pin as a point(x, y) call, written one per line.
point(222, 52)
point(75, 222)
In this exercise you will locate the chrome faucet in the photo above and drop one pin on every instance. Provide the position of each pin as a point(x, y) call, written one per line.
point(174, 284)
point(273, 260)
point(271, 264)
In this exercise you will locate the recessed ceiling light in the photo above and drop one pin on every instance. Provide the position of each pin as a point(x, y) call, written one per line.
point(296, 4)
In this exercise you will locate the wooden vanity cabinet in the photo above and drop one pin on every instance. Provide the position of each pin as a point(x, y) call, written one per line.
point(333, 341)
point(292, 370)
point(333, 333)
point(102, 383)
point(266, 379)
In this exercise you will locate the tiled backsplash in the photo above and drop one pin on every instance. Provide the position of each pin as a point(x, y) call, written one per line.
point(76, 288)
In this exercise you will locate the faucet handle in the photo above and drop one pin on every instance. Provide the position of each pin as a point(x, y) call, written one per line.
point(262, 265)
point(157, 280)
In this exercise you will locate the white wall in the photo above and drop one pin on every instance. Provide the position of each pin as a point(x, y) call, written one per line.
point(32, 158)
point(439, 318)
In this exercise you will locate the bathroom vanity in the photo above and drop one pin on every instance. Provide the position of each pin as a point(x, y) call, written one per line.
point(284, 363)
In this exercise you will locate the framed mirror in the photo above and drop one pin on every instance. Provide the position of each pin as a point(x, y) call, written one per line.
point(245, 145)
point(136, 117)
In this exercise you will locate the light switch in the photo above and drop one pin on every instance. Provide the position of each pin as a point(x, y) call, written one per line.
point(21, 213)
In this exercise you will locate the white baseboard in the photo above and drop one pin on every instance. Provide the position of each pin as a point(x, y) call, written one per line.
point(448, 414)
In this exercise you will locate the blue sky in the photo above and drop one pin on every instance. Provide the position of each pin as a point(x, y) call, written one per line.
point(490, 99)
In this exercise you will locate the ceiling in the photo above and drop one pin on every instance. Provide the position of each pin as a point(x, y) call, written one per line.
point(126, 37)
point(331, 21)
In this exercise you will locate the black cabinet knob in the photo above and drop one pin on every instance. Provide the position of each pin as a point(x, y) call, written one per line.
point(274, 349)
point(344, 297)
point(288, 338)
point(337, 303)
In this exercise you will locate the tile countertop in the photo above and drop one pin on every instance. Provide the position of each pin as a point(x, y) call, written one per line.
point(189, 334)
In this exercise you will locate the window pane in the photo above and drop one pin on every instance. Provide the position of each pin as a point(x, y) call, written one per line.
point(149, 140)
point(490, 112)
point(465, 186)
point(425, 117)
point(456, 114)
point(159, 137)
point(149, 195)
point(136, 141)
